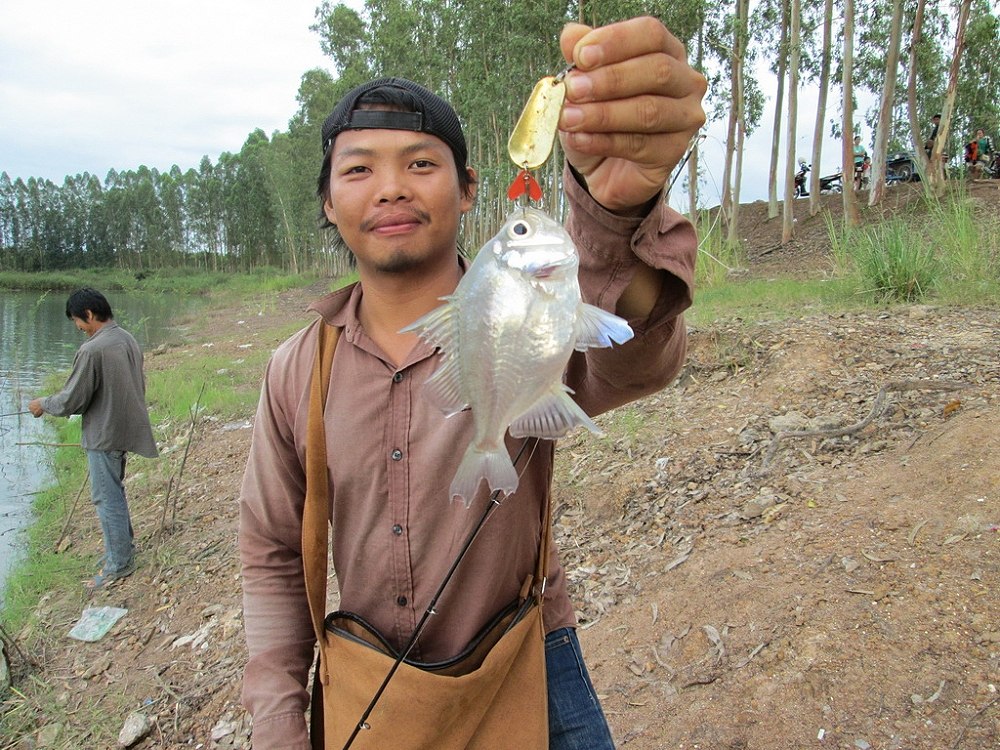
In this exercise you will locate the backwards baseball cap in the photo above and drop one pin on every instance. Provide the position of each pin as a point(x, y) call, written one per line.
point(431, 114)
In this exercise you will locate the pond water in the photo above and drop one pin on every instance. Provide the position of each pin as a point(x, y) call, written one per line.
point(37, 340)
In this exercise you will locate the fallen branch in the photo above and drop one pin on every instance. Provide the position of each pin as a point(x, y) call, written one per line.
point(50, 445)
point(180, 472)
point(972, 719)
point(877, 408)
point(72, 510)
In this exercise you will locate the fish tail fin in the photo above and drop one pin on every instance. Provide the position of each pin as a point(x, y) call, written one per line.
point(493, 466)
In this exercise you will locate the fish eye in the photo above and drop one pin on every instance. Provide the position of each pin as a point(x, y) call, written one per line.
point(520, 228)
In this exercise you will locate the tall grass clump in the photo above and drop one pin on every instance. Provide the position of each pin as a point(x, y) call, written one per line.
point(967, 243)
point(895, 263)
point(718, 259)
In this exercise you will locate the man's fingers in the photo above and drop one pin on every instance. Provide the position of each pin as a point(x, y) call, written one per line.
point(591, 48)
point(641, 114)
point(639, 148)
point(649, 74)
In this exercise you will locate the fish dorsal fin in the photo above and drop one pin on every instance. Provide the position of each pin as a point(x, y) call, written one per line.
point(599, 328)
point(439, 328)
point(552, 416)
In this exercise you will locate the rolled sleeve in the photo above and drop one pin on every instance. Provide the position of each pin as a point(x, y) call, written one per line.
point(611, 249)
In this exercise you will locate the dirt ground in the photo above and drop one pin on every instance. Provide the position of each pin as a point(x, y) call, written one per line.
point(740, 586)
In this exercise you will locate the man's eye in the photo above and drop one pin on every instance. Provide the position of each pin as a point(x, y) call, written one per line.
point(423, 163)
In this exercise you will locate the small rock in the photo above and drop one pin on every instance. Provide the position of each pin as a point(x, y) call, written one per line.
point(136, 726)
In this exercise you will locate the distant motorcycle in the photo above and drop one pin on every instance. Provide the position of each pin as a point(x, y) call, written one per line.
point(832, 183)
point(829, 184)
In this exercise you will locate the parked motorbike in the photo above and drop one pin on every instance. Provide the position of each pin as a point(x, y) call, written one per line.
point(829, 184)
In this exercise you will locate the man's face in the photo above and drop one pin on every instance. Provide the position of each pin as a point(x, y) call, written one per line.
point(89, 325)
point(395, 197)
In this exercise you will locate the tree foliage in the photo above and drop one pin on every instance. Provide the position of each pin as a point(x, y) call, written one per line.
point(257, 207)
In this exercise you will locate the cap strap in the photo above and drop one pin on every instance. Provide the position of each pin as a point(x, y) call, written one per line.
point(388, 119)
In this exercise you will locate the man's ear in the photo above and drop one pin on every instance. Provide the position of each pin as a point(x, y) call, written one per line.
point(469, 196)
point(331, 214)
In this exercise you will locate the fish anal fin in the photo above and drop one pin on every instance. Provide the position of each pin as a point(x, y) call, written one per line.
point(552, 416)
point(493, 466)
point(599, 328)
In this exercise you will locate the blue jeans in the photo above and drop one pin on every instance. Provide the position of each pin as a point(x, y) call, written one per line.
point(576, 721)
point(107, 474)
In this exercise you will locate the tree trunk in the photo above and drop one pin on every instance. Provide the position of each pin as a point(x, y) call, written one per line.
point(877, 173)
point(824, 86)
point(772, 183)
point(735, 61)
point(851, 216)
point(693, 161)
point(936, 170)
point(794, 53)
point(739, 105)
point(911, 89)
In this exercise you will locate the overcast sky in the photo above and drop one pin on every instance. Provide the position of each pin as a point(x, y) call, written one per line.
point(91, 86)
point(115, 84)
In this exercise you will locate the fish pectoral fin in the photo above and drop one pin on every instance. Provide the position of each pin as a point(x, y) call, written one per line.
point(438, 326)
point(444, 388)
point(552, 416)
point(599, 328)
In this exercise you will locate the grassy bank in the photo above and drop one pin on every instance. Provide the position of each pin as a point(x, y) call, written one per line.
point(208, 383)
point(947, 252)
point(173, 280)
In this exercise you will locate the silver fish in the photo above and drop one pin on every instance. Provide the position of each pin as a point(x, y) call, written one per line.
point(506, 335)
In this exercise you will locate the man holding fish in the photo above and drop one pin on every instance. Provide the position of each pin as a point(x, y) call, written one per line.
point(395, 183)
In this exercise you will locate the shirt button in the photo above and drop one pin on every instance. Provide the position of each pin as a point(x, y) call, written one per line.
point(397, 455)
point(397, 529)
point(397, 378)
point(401, 601)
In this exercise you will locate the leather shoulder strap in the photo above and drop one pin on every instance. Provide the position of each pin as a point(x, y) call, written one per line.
point(316, 513)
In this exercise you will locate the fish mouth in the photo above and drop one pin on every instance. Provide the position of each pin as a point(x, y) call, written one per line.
point(544, 269)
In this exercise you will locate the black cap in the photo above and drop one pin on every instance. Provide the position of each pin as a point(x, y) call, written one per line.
point(433, 115)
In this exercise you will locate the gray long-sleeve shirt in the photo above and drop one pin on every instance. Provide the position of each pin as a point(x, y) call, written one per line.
point(107, 387)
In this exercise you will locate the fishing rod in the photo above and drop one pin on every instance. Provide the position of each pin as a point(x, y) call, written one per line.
point(15, 413)
point(493, 504)
point(680, 167)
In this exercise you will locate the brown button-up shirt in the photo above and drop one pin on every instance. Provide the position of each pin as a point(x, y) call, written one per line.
point(391, 457)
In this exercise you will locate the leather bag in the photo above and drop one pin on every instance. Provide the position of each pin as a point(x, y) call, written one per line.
point(492, 695)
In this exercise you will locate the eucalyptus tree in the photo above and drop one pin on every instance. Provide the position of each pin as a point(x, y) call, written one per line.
point(851, 216)
point(794, 53)
point(768, 16)
point(170, 191)
point(825, 56)
point(205, 213)
point(735, 60)
point(9, 224)
point(935, 173)
point(884, 122)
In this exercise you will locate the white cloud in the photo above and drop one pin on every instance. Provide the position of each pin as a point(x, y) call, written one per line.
point(116, 84)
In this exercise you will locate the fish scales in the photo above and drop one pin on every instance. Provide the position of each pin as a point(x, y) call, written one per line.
point(506, 335)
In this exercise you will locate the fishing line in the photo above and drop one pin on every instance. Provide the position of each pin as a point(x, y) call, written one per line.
point(493, 504)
